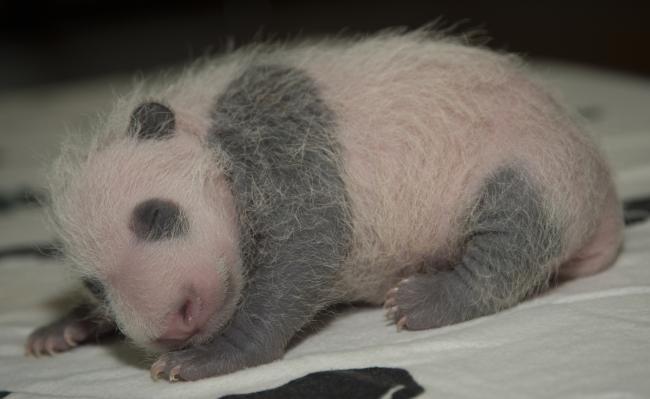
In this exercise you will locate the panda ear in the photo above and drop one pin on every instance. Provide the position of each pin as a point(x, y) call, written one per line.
point(152, 120)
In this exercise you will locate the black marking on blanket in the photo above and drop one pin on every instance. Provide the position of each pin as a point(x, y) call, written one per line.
point(22, 197)
point(636, 210)
point(4, 394)
point(370, 383)
point(41, 250)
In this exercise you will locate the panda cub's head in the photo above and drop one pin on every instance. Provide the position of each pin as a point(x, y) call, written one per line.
point(147, 217)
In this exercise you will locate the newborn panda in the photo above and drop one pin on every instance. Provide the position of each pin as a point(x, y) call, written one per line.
point(212, 217)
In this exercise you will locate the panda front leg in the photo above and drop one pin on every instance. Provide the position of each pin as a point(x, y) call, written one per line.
point(259, 332)
point(242, 344)
point(285, 291)
point(81, 325)
point(509, 252)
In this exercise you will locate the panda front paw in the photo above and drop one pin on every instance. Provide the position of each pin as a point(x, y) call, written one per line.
point(79, 326)
point(56, 337)
point(228, 353)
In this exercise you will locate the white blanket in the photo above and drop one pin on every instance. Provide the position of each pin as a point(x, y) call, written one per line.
point(588, 338)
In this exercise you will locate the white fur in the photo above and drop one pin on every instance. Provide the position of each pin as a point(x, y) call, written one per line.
point(422, 121)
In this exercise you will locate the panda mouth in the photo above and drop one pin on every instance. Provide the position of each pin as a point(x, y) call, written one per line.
point(199, 318)
point(220, 318)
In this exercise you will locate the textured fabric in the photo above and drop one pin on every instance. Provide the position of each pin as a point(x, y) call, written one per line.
point(373, 382)
point(585, 339)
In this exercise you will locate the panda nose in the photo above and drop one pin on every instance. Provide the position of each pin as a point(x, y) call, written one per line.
point(182, 323)
point(157, 219)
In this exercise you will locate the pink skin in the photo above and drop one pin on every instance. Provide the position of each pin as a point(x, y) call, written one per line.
point(192, 315)
point(163, 294)
point(461, 113)
point(190, 310)
point(421, 123)
point(602, 249)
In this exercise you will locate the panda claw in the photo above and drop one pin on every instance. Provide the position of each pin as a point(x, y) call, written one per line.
point(401, 324)
point(157, 369)
point(174, 374)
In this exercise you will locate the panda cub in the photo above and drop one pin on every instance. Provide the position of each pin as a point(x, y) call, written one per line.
point(211, 217)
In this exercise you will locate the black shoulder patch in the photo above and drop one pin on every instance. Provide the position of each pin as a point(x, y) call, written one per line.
point(152, 120)
point(279, 135)
point(280, 138)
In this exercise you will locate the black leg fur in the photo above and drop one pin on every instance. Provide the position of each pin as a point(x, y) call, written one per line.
point(509, 247)
point(279, 137)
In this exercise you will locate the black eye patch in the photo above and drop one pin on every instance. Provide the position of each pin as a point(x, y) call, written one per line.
point(152, 120)
point(96, 288)
point(158, 219)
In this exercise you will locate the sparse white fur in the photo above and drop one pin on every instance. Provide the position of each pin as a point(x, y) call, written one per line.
point(422, 121)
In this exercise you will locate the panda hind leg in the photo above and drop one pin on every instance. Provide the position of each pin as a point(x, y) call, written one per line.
point(510, 250)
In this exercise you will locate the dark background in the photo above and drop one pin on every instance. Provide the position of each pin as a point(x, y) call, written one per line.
point(54, 41)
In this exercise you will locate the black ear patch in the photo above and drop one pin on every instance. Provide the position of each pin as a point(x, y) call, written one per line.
point(152, 120)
